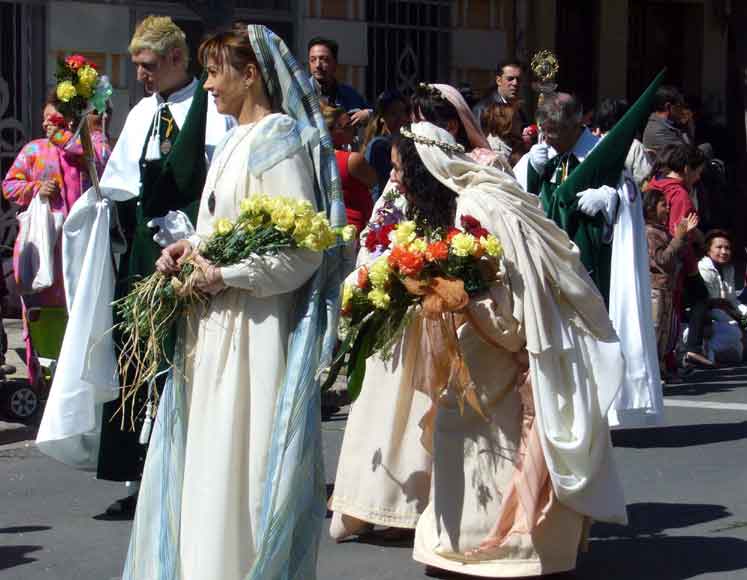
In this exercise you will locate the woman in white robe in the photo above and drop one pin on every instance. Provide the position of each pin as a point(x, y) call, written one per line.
point(383, 476)
point(509, 495)
point(215, 444)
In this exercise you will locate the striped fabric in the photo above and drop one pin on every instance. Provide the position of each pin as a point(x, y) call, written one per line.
point(293, 507)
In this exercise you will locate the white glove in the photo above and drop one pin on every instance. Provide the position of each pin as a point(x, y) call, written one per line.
point(539, 155)
point(592, 201)
point(172, 227)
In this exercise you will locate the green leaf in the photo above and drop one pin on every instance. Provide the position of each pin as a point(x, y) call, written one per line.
point(362, 349)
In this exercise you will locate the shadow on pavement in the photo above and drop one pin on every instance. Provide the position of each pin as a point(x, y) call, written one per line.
point(680, 435)
point(661, 558)
point(651, 519)
point(12, 556)
point(24, 529)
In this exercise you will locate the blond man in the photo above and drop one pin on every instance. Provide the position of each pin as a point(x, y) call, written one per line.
point(154, 176)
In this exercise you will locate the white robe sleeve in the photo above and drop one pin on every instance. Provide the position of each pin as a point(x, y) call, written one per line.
point(288, 270)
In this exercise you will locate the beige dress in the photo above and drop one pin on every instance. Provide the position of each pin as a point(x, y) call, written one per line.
point(474, 461)
point(236, 352)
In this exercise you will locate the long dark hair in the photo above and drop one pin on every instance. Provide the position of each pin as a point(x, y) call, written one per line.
point(430, 203)
point(428, 104)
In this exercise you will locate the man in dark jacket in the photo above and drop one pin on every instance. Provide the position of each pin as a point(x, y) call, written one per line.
point(663, 127)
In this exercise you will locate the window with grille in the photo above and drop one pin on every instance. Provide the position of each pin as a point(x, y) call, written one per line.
point(408, 42)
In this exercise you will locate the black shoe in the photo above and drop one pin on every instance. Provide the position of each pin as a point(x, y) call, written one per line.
point(123, 508)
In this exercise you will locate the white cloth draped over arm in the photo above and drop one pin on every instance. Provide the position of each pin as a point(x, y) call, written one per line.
point(287, 270)
point(575, 376)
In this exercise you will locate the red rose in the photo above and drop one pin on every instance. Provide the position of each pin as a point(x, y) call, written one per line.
point(75, 61)
point(473, 226)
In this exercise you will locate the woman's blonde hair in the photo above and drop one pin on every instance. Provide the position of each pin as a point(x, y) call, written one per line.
point(159, 34)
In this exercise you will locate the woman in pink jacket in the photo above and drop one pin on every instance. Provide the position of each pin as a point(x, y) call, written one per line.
point(53, 167)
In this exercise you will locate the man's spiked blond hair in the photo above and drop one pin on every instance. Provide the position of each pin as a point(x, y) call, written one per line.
point(159, 34)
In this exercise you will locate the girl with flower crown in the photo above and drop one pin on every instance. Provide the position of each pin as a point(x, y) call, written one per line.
point(515, 478)
point(53, 167)
point(383, 477)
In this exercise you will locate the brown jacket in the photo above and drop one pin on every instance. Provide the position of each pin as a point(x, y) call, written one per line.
point(664, 256)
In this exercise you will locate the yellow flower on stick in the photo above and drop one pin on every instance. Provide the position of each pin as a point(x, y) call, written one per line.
point(419, 245)
point(66, 91)
point(87, 76)
point(463, 245)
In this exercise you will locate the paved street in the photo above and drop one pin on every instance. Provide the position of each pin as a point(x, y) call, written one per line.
point(685, 487)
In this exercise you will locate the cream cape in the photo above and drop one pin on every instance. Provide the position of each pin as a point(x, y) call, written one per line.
point(576, 363)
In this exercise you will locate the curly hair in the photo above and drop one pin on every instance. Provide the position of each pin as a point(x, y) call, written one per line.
point(430, 203)
point(428, 104)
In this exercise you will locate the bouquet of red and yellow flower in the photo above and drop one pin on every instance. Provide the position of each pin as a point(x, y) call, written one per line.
point(435, 272)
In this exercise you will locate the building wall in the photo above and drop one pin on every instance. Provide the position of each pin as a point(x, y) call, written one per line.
point(97, 32)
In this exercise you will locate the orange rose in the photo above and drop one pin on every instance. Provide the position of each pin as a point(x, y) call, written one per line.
point(362, 278)
point(408, 263)
point(437, 251)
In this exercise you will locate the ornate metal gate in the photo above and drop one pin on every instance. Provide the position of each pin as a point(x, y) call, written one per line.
point(408, 42)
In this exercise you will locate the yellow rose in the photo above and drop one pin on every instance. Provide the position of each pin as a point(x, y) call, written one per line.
point(419, 245)
point(404, 233)
point(302, 229)
point(87, 76)
point(223, 226)
point(66, 91)
point(312, 243)
point(304, 207)
point(379, 298)
point(284, 218)
point(491, 245)
point(463, 245)
point(379, 272)
point(349, 233)
point(347, 295)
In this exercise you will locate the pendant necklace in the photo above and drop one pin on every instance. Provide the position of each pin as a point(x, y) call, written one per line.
point(166, 143)
point(221, 169)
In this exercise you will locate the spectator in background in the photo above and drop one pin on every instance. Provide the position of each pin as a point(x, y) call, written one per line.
point(666, 253)
point(323, 67)
point(727, 313)
point(664, 125)
point(609, 112)
point(676, 172)
point(392, 111)
point(356, 175)
point(497, 123)
point(509, 77)
point(51, 167)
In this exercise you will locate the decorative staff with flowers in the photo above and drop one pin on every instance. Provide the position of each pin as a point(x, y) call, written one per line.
point(81, 91)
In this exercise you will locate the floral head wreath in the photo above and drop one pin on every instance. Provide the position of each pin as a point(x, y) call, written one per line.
point(443, 145)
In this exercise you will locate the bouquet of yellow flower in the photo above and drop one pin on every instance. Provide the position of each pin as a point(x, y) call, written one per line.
point(266, 225)
point(437, 272)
